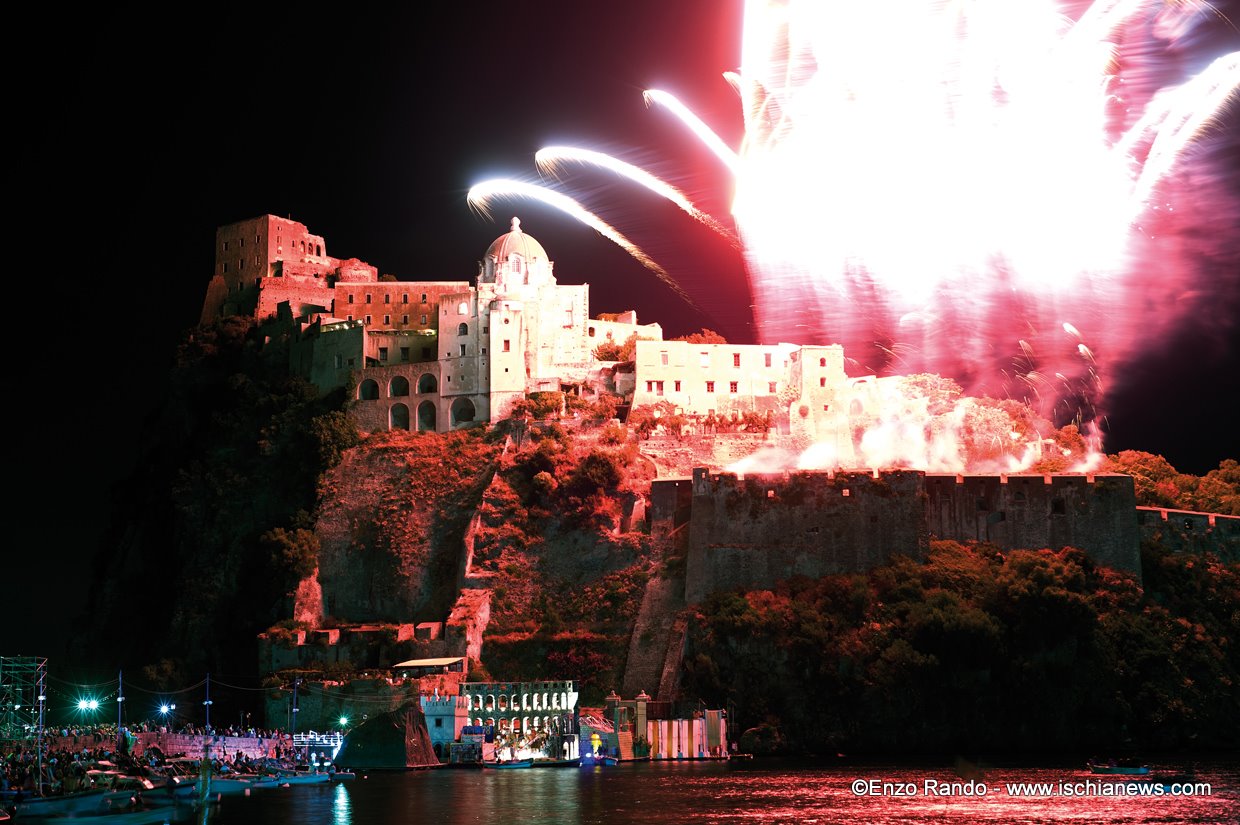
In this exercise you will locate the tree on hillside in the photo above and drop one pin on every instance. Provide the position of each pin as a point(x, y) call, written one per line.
point(706, 336)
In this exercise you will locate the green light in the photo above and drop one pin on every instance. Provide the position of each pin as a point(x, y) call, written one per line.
point(344, 720)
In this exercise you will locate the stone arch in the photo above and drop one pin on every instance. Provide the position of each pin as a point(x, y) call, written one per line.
point(398, 387)
point(427, 383)
point(463, 412)
point(462, 329)
point(438, 750)
point(426, 417)
point(399, 417)
point(368, 390)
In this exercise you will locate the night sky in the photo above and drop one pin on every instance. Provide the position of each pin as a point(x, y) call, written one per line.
point(369, 127)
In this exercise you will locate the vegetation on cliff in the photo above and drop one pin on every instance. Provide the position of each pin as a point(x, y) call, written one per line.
point(566, 572)
point(976, 649)
point(213, 531)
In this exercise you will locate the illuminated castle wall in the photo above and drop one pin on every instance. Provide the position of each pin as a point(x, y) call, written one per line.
point(751, 532)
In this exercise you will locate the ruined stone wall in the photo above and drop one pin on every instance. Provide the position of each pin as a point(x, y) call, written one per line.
point(303, 296)
point(1094, 513)
point(753, 532)
point(1183, 531)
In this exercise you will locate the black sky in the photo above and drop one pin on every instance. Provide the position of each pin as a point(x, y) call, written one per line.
point(369, 127)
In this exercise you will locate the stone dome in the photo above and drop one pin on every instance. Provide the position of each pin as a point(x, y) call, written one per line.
point(517, 242)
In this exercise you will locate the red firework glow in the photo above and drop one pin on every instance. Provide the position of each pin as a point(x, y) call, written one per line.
point(1020, 196)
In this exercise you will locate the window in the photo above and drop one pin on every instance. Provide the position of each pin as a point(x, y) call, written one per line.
point(241, 263)
point(676, 386)
point(241, 243)
point(768, 359)
point(439, 721)
point(736, 359)
point(404, 299)
point(462, 350)
point(663, 357)
point(423, 320)
point(258, 239)
point(404, 319)
point(383, 352)
point(462, 329)
point(348, 317)
point(368, 297)
point(387, 298)
point(350, 297)
point(423, 297)
point(590, 331)
point(822, 362)
point(339, 361)
point(732, 387)
point(658, 387)
point(484, 350)
point(770, 387)
point(710, 386)
point(368, 319)
point(649, 386)
point(387, 320)
point(462, 308)
point(404, 353)
point(225, 266)
point(822, 382)
point(225, 246)
point(507, 345)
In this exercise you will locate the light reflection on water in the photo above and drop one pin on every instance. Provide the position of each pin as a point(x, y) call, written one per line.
point(736, 793)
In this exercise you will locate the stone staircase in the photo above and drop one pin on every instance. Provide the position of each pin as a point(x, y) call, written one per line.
point(624, 739)
point(653, 633)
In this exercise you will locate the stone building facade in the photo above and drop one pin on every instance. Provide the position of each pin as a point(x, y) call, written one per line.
point(424, 355)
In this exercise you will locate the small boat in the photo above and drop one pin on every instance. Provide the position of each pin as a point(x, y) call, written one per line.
point(341, 776)
point(511, 763)
point(1118, 769)
point(589, 761)
point(557, 763)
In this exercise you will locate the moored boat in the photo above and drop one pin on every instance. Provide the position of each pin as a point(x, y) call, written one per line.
point(1118, 769)
point(511, 763)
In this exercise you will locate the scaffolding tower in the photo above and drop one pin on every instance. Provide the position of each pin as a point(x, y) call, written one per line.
point(22, 696)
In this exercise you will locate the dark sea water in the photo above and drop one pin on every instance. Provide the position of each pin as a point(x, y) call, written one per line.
point(755, 791)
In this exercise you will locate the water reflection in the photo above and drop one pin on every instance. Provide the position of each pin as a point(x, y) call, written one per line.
point(730, 794)
point(342, 808)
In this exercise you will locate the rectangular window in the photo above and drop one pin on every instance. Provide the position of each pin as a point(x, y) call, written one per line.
point(404, 319)
point(649, 386)
point(822, 382)
point(387, 320)
point(732, 386)
point(423, 297)
point(383, 353)
point(484, 350)
point(663, 357)
point(241, 243)
point(350, 297)
point(350, 363)
point(462, 350)
point(348, 317)
point(225, 246)
point(736, 359)
point(387, 298)
point(768, 359)
point(438, 722)
point(225, 266)
point(507, 345)
point(658, 387)
point(710, 386)
point(368, 297)
point(404, 299)
point(676, 385)
point(423, 320)
point(404, 353)
point(367, 319)
point(770, 387)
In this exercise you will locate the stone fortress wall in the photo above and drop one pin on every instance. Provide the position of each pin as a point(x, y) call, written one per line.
point(752, 531)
